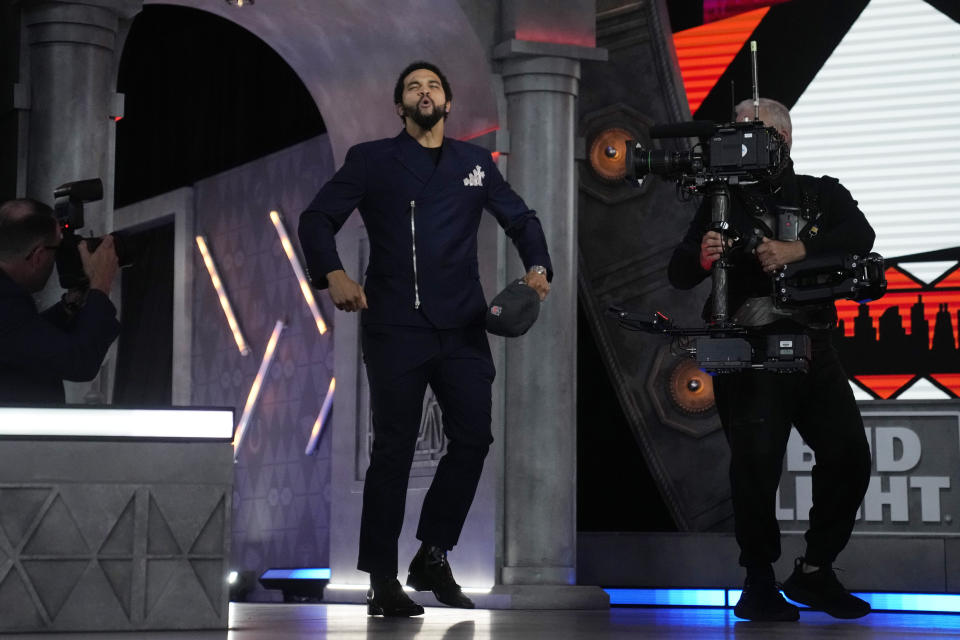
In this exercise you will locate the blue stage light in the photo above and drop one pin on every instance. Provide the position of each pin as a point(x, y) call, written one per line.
point(925, 602)
point(906, 602)
point(668, 597)
point(298, 585)
point(296, 574)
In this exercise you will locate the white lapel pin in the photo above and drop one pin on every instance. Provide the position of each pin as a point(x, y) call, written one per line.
point(475, 179)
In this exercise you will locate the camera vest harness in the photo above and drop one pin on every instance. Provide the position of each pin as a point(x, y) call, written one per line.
point(812, 193)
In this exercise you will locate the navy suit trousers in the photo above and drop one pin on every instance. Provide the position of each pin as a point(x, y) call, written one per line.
point(401, 362)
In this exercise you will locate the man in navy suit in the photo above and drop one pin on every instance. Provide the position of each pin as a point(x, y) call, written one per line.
point(421, 197)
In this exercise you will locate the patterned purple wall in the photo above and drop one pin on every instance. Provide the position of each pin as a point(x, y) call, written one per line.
point(281, 501)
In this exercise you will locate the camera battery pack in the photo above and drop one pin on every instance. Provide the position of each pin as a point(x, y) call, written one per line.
point(723, 354)
point(788, 352)
point(788, 223)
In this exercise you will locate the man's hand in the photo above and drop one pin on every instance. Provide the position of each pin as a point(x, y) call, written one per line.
point(774, 254)
point(346, 294)
point(711, 249)
point(102, 265)
point(539, 283)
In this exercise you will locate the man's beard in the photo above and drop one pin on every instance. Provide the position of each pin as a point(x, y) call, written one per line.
point(425, 121)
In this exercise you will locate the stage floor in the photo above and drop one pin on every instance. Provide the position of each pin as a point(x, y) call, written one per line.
point(350, 622)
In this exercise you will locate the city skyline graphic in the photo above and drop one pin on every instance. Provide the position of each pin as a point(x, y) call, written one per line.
point(910, 334)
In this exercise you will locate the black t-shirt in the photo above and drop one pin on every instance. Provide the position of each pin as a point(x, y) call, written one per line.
point(434, 154)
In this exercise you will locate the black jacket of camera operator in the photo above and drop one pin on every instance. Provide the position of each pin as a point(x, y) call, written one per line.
point(831, 223)
point(38, 351)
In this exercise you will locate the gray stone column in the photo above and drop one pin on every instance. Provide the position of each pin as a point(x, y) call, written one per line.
point(539, 474)
point(73, 50)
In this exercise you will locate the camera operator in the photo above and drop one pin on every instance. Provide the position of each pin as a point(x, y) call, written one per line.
point(68, 341)
point(757, 408)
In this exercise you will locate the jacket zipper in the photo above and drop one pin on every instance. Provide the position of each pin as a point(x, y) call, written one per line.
point(413, 236)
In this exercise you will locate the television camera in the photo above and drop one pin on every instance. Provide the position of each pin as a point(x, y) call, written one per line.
point(741, 153)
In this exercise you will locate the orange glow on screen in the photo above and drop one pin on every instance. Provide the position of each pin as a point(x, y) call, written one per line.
point(949, 380)
point(885, 385)
point(705, 52)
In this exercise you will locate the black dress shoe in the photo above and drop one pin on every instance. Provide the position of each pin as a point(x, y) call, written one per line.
point(430, 571)
point(388, 599)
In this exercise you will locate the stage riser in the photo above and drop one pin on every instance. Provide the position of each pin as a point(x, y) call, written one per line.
point(869, 563)
point(114, 535)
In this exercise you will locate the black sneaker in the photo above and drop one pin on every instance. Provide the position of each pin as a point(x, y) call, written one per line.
point(821, 590)
point(761, 600)
point(388, 599)
point(430, 571)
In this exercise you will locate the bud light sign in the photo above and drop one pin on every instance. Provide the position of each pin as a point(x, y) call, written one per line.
point(913, 483)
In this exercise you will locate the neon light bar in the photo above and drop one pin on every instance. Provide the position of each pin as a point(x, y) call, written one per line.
point(916, 602)
point(296, 574)
point(668, 597)
point(254, 394)
point(222, 294)
point(926, 602)
point(364, 587)
point(321, 419)
point(116, 423)
point(281, 228)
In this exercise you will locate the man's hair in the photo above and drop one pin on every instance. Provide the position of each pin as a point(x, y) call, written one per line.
point(777, 114)
point(24, 223)
point(421, 64)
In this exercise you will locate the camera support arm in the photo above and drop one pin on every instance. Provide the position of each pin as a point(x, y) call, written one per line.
point(719, 194)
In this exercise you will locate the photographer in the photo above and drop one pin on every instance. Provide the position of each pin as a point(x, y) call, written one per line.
point(757, 408)
point(68, 341)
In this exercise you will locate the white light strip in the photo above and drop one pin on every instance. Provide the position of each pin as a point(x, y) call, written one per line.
point(350, 587)
point(222, 294)
point(364, 587)
point(321, 419)
point(880, 116)
point(58, 422)
point(281, 228)
point(255, 388)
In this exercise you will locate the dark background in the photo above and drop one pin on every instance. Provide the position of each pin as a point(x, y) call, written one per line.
point(202, 95)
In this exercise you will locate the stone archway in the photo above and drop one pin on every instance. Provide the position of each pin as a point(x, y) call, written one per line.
point(348, 52)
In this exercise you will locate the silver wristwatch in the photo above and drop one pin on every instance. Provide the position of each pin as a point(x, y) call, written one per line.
point(539, 270)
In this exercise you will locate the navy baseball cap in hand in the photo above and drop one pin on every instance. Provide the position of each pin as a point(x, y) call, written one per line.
point(514, 310)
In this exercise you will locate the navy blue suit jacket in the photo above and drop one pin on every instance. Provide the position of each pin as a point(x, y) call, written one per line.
point(39, 351)
point(422, 222)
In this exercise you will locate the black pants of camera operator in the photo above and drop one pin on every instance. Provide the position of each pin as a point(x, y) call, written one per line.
point(401, 362)
point(757, 410)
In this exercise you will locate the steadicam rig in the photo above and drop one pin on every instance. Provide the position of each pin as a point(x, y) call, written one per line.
point(727, 155)
point(726, 349)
